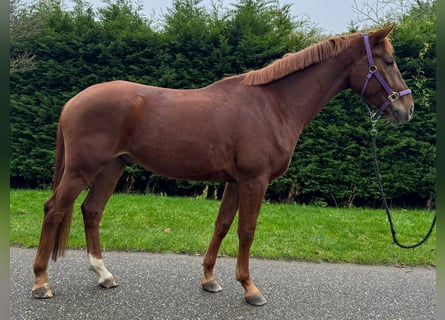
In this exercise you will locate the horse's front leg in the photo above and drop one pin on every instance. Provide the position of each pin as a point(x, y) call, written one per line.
point(92, 210)
point(227, 210)
point(251, 197)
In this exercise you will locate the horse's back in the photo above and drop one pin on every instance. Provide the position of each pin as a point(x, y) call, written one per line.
point(199, 134)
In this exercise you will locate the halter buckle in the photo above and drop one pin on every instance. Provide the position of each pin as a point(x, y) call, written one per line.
point(393, 96)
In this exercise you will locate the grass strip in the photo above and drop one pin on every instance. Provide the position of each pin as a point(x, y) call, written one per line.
point(153, 223)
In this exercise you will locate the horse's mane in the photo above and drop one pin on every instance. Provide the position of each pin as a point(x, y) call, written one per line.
point(292, 62)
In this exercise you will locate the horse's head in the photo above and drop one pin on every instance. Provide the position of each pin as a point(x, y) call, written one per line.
point(376, 77)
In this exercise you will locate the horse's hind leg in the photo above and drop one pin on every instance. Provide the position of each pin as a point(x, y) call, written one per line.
point(227, 210)
point(56, 223)
point(92, 209)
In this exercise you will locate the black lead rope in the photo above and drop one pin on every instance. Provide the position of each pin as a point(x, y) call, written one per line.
point(379, 182)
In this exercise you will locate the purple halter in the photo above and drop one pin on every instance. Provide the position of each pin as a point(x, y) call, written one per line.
point(392, 95)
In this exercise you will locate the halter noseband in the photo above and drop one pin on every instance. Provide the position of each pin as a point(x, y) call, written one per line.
point(372, 71)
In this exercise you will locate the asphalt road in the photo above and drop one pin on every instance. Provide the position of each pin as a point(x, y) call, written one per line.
point(167, 286)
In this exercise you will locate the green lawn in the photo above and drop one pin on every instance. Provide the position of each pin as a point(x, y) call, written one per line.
point(285, 231)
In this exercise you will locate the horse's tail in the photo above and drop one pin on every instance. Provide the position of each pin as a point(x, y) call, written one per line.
point(59, 166)
point(63, 229)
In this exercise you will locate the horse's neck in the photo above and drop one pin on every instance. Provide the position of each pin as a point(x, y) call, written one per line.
point(306, 92)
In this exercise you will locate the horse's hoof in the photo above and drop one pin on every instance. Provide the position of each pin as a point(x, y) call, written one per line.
point(212, 286)
point(43, 292)
point(108, 283)
point(256, 300)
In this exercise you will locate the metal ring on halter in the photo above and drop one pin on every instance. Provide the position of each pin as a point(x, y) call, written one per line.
point(372, 69)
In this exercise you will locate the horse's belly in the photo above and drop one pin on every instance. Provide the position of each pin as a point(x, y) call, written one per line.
point(186, 164)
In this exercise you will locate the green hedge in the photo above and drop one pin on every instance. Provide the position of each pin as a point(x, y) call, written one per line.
point(193, 46)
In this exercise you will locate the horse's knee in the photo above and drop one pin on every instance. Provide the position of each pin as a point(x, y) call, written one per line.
point(91, 216)
point(221, 229)
point(246, 237)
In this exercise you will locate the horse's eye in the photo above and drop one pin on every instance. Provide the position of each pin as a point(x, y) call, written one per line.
point(389, 62)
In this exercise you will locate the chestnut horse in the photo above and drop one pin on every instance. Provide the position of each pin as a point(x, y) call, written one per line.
point(241, 130)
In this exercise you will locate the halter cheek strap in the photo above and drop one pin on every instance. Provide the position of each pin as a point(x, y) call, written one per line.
point(373, 71)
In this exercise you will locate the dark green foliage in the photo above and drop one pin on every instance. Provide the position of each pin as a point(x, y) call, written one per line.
point(195, 46)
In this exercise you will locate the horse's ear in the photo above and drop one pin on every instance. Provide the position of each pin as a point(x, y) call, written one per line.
point(379, 35)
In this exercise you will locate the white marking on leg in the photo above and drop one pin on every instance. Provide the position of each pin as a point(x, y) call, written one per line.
point(97, 265)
